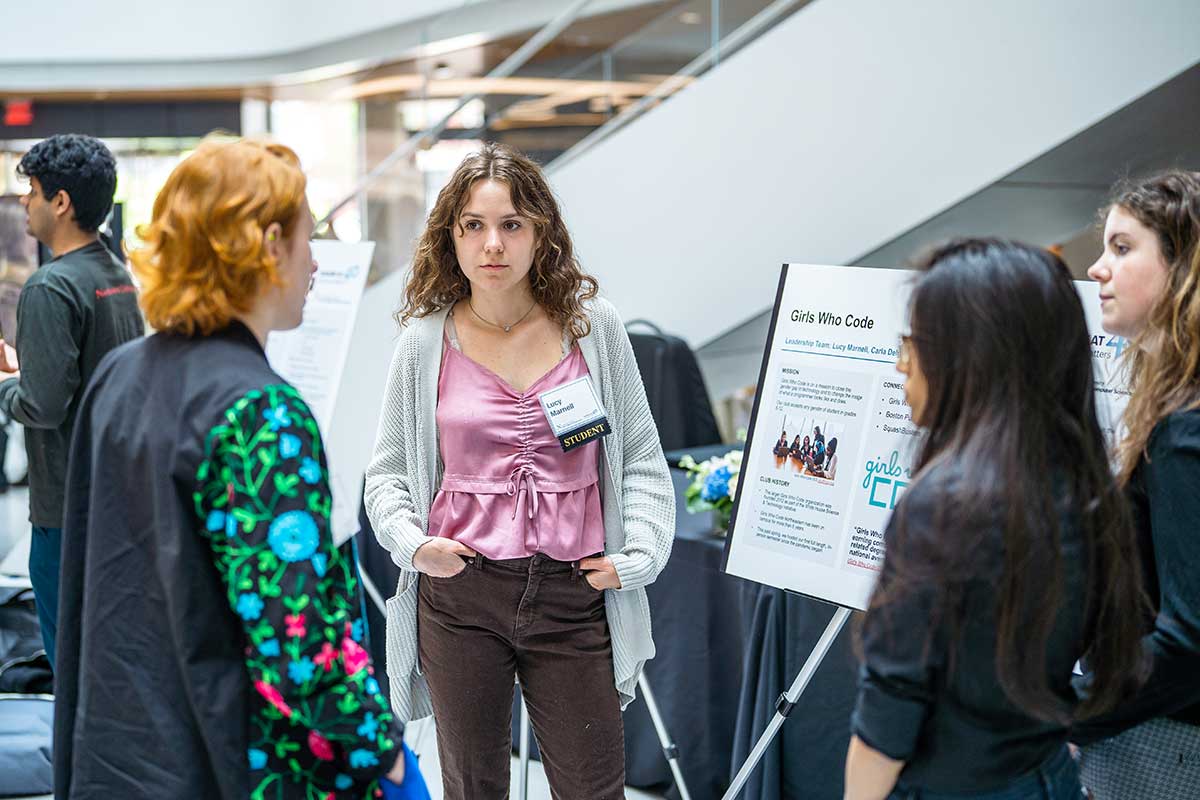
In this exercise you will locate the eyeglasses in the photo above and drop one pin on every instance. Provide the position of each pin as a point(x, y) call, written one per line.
point(905, 351)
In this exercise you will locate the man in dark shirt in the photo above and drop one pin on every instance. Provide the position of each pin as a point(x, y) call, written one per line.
point(72, 311)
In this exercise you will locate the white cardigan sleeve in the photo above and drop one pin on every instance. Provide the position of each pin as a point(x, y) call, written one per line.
point(390, 479)
point(647, 495)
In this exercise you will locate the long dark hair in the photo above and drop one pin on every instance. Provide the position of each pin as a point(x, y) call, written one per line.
point(1011, 438)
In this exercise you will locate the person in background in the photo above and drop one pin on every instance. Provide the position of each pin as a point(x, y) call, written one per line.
point(532, 559)
point(205, 607)
point(781, 447)
point(1006, 559)
point(72, 311)
point(1149, 276)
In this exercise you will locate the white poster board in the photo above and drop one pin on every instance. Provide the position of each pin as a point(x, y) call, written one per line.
point(810, 526)
point(313, 356)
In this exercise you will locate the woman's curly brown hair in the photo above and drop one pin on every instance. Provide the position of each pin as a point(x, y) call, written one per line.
point(204, 260)
point(559, 285)
point(1164, 360)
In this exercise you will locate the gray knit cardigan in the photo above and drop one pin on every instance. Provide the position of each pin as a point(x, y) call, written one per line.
point(638, 500)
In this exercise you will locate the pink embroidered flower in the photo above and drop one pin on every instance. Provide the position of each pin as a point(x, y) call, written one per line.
point(295, 624)
point(353, 656)
point(320, 746)
point(272, 696)
point(326, 657)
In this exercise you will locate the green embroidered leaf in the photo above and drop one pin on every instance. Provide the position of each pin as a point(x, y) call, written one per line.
point(348, 704)
point(268, 587)
point(267, 561)
point(267, 457)
point(286, 484)
point(244, 516)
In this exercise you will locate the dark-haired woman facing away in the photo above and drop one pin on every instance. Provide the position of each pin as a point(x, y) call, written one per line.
point(1006, 561)
point(1149, 275)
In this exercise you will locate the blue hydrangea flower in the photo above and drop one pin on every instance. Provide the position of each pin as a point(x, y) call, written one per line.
point(372, 686)
point(343, 782)
point(258, 759)
point(277, 417)
point(356, 630)
point(293, 536)
point(716, 485)
point(320, 563)
point(310, 471)
point(301, 671)
point(269, 648)
point(215, 521)
point(289, 446)
point(369, 727)
point(361, 759)
point(249, 606)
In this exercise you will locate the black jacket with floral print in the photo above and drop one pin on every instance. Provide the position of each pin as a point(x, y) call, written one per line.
point(211, 639)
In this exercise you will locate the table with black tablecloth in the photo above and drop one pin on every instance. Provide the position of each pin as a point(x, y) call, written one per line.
point(726, 649)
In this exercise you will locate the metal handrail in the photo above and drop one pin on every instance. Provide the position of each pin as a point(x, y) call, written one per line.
point(505, 68)
point(747, 31)
point(719, 49)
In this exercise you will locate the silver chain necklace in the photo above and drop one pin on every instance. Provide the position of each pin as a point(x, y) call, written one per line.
point(505, 328)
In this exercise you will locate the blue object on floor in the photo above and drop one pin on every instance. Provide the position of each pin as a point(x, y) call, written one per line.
point(413, 787)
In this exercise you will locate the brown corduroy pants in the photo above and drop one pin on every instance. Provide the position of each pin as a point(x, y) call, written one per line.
point(540, 620)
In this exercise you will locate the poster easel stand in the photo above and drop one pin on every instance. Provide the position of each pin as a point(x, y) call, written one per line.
point(787, 700)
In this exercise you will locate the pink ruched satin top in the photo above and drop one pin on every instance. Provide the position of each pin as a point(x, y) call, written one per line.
point(508, 490)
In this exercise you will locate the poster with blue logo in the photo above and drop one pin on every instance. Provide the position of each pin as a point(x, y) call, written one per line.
point(832, 442)
point(312, 357)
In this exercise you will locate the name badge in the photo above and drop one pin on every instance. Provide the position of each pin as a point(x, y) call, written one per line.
point(574, 413)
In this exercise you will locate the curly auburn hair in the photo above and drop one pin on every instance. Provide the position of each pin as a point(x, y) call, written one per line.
point(559, 284)
point(203, 261)
point(1164, 359)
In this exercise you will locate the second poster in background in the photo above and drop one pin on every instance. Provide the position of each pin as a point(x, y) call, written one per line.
point(832, 440)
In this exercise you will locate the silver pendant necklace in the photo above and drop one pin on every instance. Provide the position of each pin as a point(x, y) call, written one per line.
point(505, 328)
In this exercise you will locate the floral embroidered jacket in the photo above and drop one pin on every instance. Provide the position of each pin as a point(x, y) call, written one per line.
point(213, 641)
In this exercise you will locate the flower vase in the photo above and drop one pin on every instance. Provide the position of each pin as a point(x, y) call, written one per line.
point(721, 520)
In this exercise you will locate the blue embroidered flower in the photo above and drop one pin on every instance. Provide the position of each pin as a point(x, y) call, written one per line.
point(369, 727)
point(343, 782)
point(269, 648)
point(258, 759)
point(716, 485)
point(372, 686)
point(215, 521)
point(289, 446)
point(230, 525)
point(310, 471)
point(293, 536)
point(356, 630)
point(361, 759)
point(249, 606)
point(301, 671)
point(320, 563)
point(277, 417)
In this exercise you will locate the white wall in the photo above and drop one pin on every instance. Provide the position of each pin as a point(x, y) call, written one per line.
point(844, 126)
point(169, 30)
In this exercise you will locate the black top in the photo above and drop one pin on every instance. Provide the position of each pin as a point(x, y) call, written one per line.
point(210, 634)
point(1165, 495)
point(72, 311)
point(941, 708)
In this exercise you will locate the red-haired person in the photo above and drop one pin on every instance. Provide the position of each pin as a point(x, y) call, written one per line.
point(210, 635)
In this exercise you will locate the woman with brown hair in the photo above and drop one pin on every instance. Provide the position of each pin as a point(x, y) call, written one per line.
point(210, 635)
point(1006, 559)
point(519, 483)
point(1149, 275)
